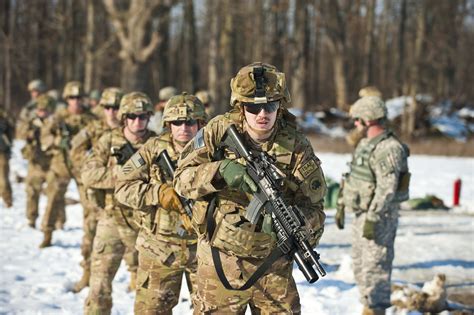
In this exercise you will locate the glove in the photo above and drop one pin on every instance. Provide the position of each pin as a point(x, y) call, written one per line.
point(236, 176)
point(369, 230)
point(187, 223)
point(168, 199)
point(340, 216)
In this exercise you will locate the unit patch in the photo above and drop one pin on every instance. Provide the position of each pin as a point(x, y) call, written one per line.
point(308, 168)
point(137, 160)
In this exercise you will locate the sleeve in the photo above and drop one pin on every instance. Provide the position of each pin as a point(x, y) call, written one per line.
point(386, 165)
point(137, 182)
point(197, 174)
point(97, 171)
point(310, 189)
point(48, 134)
point(22, 124)
point(81, 143)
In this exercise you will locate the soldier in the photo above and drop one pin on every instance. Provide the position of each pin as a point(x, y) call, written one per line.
point(155, 121)
point(205, 97)
point(165, 250)
point(116, 230)
point(56, 137)
point(259, 98)
point(91, 199)
point(373, 189)
point(94, 101)
point(35, 88)
point(38, 160)
point(6, 138)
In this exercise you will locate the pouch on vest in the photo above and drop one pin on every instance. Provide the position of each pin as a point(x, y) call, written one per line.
point(403, 189)
point(358, 194)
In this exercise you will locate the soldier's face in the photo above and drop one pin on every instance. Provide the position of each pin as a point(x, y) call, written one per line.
point(261, 117)
point(74, 104)
point(34, 94)
point(42, 113)
point(137, 122)
point(184, 130)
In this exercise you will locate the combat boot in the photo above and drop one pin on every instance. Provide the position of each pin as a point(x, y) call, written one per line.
point(373, 311)
point(84, 282)
point(48, 236)
point(133, 282)
point(32, 224)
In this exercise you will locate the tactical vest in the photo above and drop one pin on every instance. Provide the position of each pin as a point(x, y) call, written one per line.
point(233, 234)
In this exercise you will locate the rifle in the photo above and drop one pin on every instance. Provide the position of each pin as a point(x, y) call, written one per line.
point(288, 221)
point(123, 154)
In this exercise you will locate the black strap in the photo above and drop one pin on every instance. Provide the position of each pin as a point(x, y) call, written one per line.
point(216, 258)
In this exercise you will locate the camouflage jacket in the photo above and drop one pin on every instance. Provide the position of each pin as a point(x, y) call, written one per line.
point(56, 136)
point(197, 176)
point(137, 186)
point(378, 176)
point(27, 113)
point(32, 150)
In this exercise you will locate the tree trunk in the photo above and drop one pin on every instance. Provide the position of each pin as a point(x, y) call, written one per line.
point(227, 53)
point(383, 45)
point(401, 48)
point(190, 52)
point(298, 58)
point(213, 68)
point(89, 47)
point(368, 46)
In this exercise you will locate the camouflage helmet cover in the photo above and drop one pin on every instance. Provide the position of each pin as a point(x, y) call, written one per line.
point(73, 89)
point(184, 107)
point(134, 102)
point(111, 96)
point(370, 91)
point(54, 94)
point(166, 93)
point(94, 95)
point(37, 85)
point(369, 108)
point(244, 85)
point(45, 102)
point(203, 96)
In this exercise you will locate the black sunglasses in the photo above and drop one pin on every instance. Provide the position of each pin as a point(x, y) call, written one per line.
point(269, 107)
point(74, 97)
point(188, 123)
point(135, 116)
point(112, 107)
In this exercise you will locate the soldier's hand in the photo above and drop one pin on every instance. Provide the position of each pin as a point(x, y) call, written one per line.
point(236, 176)
point(340, 216)
point(187, 223)
point(168, 199)
point(369, 230)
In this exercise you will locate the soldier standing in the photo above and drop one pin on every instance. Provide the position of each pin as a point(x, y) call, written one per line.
point(92, 200)
point(38, 160)
point(94, 103)
point(165, 94)
point(259, 98)
point(373, 189)
point(56, 137)
point(6, 138)
point(35, 88)
point(166, 251)
point(116, 230)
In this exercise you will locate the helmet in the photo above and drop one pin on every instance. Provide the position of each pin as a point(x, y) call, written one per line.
point(166, 93)
point(184, 107)
point(259, 83)
point(45, 102)
point(54, 94)
point(134, 102)
point(94, 95)
point(111, 96)
point(37, 85)
point(369, 108)
point(73, 88)
point(370, 91)
point(203, 96)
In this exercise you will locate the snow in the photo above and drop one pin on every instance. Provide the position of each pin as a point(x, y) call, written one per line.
point(34, 281)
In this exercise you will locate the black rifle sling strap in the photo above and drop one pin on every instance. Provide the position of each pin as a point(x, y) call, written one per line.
point(216, 258)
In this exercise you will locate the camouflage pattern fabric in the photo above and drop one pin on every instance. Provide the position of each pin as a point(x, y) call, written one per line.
point(114, 238)
point(6, 138)
point(27, 113)
point(197, 175)
point(164, 254)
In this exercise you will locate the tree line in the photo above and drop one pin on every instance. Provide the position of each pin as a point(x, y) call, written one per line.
point(328, 49)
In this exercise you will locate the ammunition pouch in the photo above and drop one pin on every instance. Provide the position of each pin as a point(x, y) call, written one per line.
point(402, 193)
point(358, 194)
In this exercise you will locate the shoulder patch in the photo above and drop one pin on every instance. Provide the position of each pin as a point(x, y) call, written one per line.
point(199, 139)
point(308, 168)
point(137, 160)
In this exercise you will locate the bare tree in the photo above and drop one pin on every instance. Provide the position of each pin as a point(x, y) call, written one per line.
point(368, 43)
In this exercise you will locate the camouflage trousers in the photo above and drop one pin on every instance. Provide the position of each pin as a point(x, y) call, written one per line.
point(55, 213)
point(112, 242)
point(89, 225)
point(5, 187)
point(35, 179)
point(274, 293)
point(372, 259)
point(159, 277)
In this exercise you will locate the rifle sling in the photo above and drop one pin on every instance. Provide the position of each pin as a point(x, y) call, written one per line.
point(216, 258)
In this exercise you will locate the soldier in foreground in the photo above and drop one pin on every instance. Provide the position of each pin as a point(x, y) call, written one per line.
point(56, 137)
point(92, 200)
point(165, 94)
point(259, 98)
point(373, 189)
point(38, 160)
point(116, 230)
point(35, 88)
point(166, 242)
point(6, 139)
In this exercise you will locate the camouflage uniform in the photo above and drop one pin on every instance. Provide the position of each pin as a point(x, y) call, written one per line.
point(56, 136)
point(373, 189)
point(164, 254)
point(27, 113)
point(92, 200)
point(116, 232)
point(243, 247)
point(38, 160)
point(156, 123)
point(6, 138)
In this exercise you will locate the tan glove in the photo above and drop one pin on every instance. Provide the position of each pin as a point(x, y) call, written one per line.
point(168, 199)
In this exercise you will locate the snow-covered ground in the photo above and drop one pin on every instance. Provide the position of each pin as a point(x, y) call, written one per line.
point(34, 281)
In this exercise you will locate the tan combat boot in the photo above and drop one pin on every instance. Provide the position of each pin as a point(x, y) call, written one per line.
point(84, 282)
point(48, 236)
point(32, 224)
point(373, 311)
point(133, 282)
